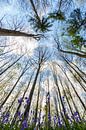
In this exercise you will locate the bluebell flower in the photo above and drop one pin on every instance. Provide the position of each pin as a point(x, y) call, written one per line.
point(27, 100)
point(54, 119)
point(18, 113)
point(49, 117)
point(5, 120)
point(20, 100)
point(6, 117)
point(77, 119)
point(64, 110)
point(76, 116)
point(24, 125)
point(59, 122)
point(76, 113)
point(33, 120)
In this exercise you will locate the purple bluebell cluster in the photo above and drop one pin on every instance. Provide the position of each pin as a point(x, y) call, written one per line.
point(76, 116)
point(27, 100)
point(20, 115)
point(49, 116)
point(56, 120)
point(59, 122)
point(20, 100)
point(6, 118)
point(24, 124)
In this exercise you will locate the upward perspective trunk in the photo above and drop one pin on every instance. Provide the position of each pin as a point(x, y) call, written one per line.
point(15, 115)
point(59, 105)
point(26, 113)
point(5, 64)
point(76, 93)
point(36, 111)
point(32, 3)
point(78, 80)
point(69, 90)
point(60, 97)
point(56, 106)
point(11, 65)
point(69, 105)
point(13, 102)
point(24, 70)
point(75, 70)
point(76, 67)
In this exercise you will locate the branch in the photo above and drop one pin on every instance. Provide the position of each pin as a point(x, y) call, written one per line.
point(82, 54)
point(8, 32)
point(74, 53)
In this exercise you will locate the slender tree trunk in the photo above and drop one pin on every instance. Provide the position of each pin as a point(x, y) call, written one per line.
point(36, 111)
point(26, 113)
point(73, 89)
point(13, 102)
point(5, 76)
point(24, 70)
point(32, 3)
point(15, 115)
point(83, 87)
point(66, 98)
point(75, 70)
point(5, 64)
point(63, 116)
point(76, 93)
point(56, 106)
point(7, 52)
point(11, 65)
point(49, 114)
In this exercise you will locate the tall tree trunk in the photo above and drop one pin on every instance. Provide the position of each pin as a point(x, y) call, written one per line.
point(11, 65)
point(26, 113)
point(36, 110)
point(74, 70)
point(83, 87)
point(13, 102)
point(32, 3)
point(60, 97)
point(56, 106)
point(84, 74)
point(7, 52)
point(24, 70)
point(15, 115)
point(66, 98)
point(70, 92)
point(5, 64)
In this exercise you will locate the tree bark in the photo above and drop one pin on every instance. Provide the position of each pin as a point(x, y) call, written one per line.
point(8, 32)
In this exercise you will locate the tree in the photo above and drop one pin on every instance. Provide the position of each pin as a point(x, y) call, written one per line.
point(42, 57)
